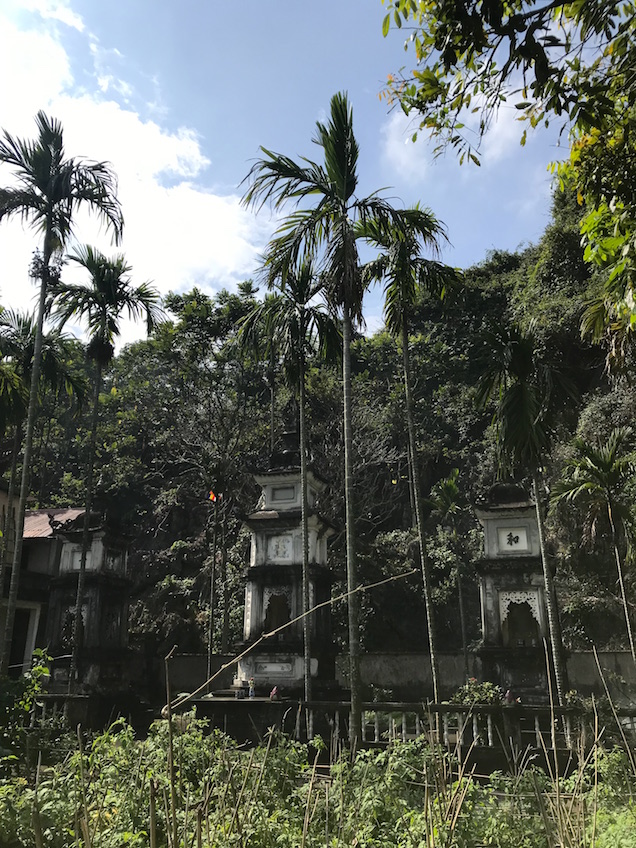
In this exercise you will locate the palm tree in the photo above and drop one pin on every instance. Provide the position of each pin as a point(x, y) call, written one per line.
point(325, 230)
point(597, 476)
point(407, 274)
point(102, 304)
point(49, 188)
point(526, 391)
point(299, 325)
point(17, 343)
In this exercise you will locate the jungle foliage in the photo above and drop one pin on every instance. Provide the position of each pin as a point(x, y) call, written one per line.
point(116, 790)
point(188, 411)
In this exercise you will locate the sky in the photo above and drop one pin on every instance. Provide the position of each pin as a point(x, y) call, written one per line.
point(179, 97)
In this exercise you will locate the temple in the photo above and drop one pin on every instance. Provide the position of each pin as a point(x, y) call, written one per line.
point(511, 586)
point(274, 591)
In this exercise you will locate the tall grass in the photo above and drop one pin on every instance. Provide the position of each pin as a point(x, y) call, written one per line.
point(185, 787)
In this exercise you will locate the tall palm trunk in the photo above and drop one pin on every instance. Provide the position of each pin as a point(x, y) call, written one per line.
point(86, 531)
point(355, 729)
point(560, 672)
point(215, 536)
point(462, 623)
point(26, 454)
point(8, 523)
point(305, 528)
point(621, 581)
point(271, 377)
point(417, 497)
point(225, 626)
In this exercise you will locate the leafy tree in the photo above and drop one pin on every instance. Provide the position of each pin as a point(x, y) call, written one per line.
point(554, 60)
point(17, 343)
point(526, 391)
point(102, 303)
point(598, 475)
point(299, 325)
point(186, 413)
point(446, 501)
point(49, 189)
point(564, 61)
point(325, 231)
point(602, 166)
point(219, 424)
point(406, 272)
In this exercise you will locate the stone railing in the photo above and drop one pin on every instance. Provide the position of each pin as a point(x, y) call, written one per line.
point(513, 727)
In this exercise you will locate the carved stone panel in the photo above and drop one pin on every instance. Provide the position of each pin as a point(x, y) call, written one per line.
point(512, 540)
point(519, 596)
point(280, 548)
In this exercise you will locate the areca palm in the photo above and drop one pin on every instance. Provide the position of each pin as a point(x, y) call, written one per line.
point(407, 274)
point(322, 225)
point(17, 343)
point(597, 476)
point(101, 304)
point(300, 325)
point(526, 389)
point(48, 189)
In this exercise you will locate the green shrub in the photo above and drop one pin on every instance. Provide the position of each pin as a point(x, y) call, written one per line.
point(473, 692)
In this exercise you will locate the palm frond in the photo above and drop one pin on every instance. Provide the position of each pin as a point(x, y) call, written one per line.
point(51, 186)
point(277, 179)
point(340, 148)
point(108, 296)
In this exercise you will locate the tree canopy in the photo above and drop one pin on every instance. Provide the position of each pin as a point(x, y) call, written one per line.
point(566, 62)
point(551, 60)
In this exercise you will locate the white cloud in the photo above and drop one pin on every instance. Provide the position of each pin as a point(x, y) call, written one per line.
point(413, 160)
point(409, 160)
point(502, 140)
point(178, 231)
point(40, 72)
point(55, 11)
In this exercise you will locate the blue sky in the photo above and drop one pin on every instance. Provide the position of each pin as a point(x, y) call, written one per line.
point(179, 96)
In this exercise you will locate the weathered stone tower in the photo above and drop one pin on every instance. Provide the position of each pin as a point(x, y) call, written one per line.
point(511, 584)
point(274, 596)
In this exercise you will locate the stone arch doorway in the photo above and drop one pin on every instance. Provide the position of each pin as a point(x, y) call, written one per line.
point(520, 628)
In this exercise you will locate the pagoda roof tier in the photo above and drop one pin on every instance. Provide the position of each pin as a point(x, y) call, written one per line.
point(516, 563)
point(284, 473)
point(283, 518)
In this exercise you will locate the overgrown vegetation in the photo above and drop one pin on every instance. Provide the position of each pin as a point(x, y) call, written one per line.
point(120, 791)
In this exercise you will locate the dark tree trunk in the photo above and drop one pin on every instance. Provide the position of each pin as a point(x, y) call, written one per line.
point(272, 400)
point(225, 628)
point(8, 523)
point(355, 729)
point(26, 455)
point(462, 623)
point(560, 673)
point(215, 535)
point(305, 529)
point(87, 539)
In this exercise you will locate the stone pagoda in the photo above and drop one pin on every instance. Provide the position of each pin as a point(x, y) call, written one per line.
point(274, 590)
point(512, 594)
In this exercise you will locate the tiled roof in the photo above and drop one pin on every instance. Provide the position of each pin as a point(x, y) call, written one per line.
point(38, 526)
